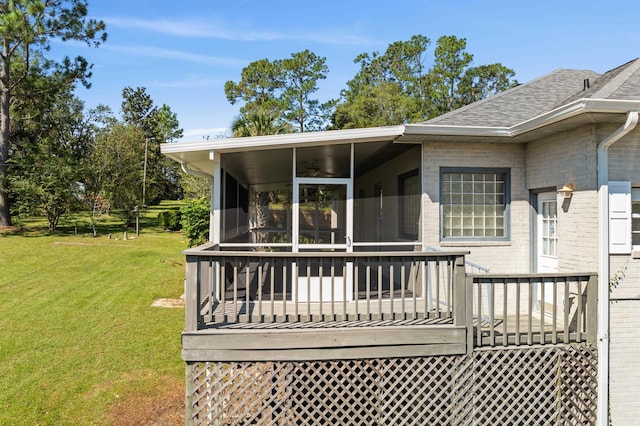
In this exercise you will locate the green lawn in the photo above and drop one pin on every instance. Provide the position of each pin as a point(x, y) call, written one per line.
point(77, 329)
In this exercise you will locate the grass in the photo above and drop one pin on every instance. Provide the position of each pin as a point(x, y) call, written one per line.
point(79, 333)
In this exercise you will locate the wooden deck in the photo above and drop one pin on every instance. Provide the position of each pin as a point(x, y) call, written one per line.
point(251, 306)
point(325, 341)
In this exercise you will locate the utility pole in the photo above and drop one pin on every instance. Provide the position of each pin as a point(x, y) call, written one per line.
point(144, 173)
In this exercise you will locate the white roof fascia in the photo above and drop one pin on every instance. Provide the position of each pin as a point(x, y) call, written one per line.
point(286, 140)
point(580, 106)
point(566, 111)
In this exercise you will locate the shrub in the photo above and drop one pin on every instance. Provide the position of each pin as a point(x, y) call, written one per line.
point(170, 219)
point(195, 221)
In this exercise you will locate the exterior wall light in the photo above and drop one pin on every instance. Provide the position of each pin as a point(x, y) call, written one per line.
point(566, 191)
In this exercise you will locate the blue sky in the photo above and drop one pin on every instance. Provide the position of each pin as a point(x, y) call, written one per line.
point(182, 52)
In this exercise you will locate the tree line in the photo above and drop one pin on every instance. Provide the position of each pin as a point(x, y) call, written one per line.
point(67, 159)
point(391, 87)
point(57, 157)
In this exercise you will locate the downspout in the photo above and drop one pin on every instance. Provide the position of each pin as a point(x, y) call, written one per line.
point(603, 262)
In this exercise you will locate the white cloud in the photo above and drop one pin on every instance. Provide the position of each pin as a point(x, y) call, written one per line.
point(190, 28)
point(226, 31)
point(159, 52)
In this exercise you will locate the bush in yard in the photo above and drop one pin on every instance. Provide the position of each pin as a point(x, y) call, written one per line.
point(169, 219)
point(195, 221)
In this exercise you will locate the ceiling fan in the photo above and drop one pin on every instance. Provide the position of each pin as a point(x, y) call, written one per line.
point(312, 170)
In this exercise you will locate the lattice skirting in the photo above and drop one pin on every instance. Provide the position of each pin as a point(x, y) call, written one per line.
point(550, 385)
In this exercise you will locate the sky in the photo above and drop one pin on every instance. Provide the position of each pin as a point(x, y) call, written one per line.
point(184, 51)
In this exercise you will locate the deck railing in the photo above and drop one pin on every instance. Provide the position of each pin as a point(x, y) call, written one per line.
point(270, 289)
point(224, 288)
point(533, 308)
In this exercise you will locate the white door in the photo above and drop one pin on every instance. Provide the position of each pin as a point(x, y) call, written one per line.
point(322, 214)
point(547, 230)
point(323, 220)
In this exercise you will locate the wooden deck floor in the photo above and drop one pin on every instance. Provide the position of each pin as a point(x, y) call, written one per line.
point(336, 324)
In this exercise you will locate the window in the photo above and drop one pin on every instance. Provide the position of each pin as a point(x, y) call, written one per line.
point(549, 225)
point(474, 203)
point(635, 218)
point(409, 195)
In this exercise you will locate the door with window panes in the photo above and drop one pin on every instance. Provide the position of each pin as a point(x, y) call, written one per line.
point(547, 229)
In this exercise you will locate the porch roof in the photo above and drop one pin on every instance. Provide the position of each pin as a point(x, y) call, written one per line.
point(198, 155)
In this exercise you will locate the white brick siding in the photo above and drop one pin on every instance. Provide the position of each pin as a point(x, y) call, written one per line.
point(499, 256)
point(624, 378)
point(570, 157)
point(624, 388)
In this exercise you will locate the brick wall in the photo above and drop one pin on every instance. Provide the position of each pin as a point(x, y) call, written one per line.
point(499, 256)
point(570, 157)
point(624, 388)
point(624, 375)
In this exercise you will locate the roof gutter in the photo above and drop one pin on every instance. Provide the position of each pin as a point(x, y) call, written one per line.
point(603, 262)
point(185, 168)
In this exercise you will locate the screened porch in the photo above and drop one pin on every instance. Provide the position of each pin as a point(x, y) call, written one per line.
point(342, 197)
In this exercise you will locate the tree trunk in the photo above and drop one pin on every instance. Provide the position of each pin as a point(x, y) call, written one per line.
point(262, 216)
point(5, 216)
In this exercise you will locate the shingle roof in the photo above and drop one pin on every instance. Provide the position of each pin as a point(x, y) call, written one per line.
point(544, 94)
point(622, 82)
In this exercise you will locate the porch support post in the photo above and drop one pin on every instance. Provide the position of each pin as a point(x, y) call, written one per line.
point(423, 202)
point(191, 284)
point(189, 389)
point(216, 196)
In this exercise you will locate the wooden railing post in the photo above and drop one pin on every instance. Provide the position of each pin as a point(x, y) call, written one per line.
point(470, 328)
point(191, 290)
point(459, 292)
point(592, 309)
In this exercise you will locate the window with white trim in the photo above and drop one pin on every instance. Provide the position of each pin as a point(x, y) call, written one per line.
point(474, 203)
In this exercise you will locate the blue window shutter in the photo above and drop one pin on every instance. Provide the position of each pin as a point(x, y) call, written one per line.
point(619, 217)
